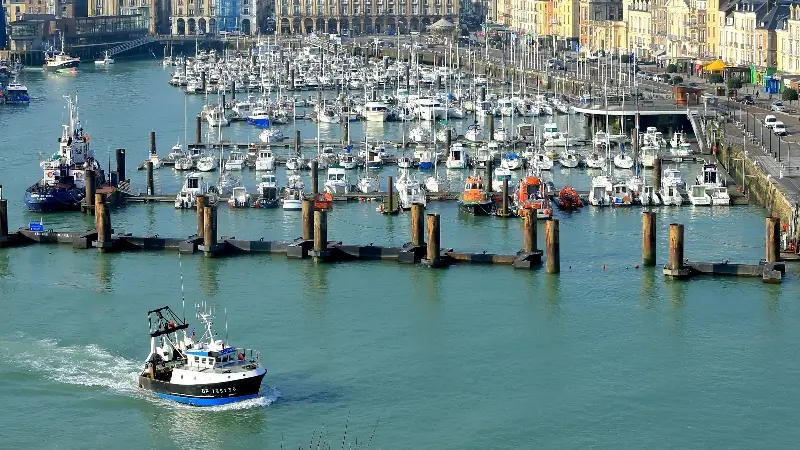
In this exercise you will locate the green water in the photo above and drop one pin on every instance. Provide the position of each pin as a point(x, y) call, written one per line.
point(469, 357)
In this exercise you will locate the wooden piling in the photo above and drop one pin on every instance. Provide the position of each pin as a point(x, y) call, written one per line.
point(198, 129)
point(320, 234)
point(152, 142)
point(529, 219)
point(504, 210)
point(150, 184)
point(388, 204)
point(448, 140)
point(233, 90)
point(433, 239)
point(120, 156)
point(102, 221)
point(3, 218)
point(314, 177)
point(417, 225)
point(552, 246)
point(201, 201)
point(90, 191)
point(675, 267)
point(297, 142)
point(490, 128)
point(657, 174)
point(209, 227)
point(487, 183)
point(649, 238)
point(308, 219)
point(773, 240)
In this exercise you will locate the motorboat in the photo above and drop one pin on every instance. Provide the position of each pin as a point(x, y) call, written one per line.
point(501, 174)
point(600, 192)
point(337, 183)
point(649, 153)
point(698, 195)
point(457, 159)
point(648, 196)
point(292, 199)
point(368, 185)
point(623, 161)
point(374, 159)
point(348, 161)
point(404, 162)
point(715, 187)
point(550, 131)
point(621, 195)
point(259, 117)
point(418, 134)
point(295, 163)
point(265, 160)
point(184, 163)
point(474, 133)
point(541, 161)
point(215, 117)
point(376, 111)
point(433, 183)
point(559, 140)
point(239, 198)
point(106, 61)
point(267, 192)
point(672, 177)
point(719, 195)
point(410, 191)
point(474, 200)
point(193, 186)
point(270, 135)
point(207, 163)
point(595, 160)
point(501, 134)
point(511, 161)
point(430, 109)
point(669, 194)
point(236, 161)
point(176, 152)
point(426, 159)
point(199, 372)
point(16, 93)
point(226, 183)
point(531, 194)
point(569, 159)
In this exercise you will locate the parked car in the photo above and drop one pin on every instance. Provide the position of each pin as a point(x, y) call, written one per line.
point(747, 100)
point(779, 128)
point(778, 106)
point(769, 121)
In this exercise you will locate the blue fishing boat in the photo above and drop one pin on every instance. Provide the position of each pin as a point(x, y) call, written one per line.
point(63, 184)
point(16, 93)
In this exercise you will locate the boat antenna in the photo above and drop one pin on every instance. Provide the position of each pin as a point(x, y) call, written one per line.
point(226, 324)
point(183, 297)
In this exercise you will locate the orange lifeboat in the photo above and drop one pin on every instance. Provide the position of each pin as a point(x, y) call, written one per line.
point(531, 194)
point(323, 201)
point(569, 199)
point(474, 199)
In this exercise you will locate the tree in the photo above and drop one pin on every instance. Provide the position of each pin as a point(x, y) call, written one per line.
point(734, 84)
point(715, 78)
point(789, 94)
point(625, 59)
point(677, 80)
point(672, 68)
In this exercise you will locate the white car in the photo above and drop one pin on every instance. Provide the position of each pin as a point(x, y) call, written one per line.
point(778, 106)
point(769, 121)
point(779, 128)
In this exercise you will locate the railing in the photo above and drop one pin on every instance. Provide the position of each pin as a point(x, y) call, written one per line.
point(129, 45)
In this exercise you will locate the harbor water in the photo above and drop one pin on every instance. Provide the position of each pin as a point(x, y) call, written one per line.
point(604, 355)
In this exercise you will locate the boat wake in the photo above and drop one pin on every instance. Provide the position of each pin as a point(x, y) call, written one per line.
point(92, 366)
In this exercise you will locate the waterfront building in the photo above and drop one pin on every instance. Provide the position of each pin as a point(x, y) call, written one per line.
point(748, 34)
point(566, 19)
point(686, 29)
point(599, 19)
point(638, 18)
point(712, 28)
point(362, 16)
point(532, 17)
point(788, 42)
point(200, 17)
point(82, 34)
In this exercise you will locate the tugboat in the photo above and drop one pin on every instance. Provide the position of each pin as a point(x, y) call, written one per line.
point(474, 200)
point(531, 194)
point(60, 61)
point(203, 372)
point(63, 185)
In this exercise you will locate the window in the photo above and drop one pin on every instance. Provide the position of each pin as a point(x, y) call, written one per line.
point(196, 359)
point(246, 12)
point(204, 360)
point(191, 11)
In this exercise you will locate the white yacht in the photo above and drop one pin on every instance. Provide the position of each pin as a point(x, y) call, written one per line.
point(649, 153)
point(709, 177)
point(474, 133)
point(193, 186)
point(239, 197)
point(207, 163)
point(295, 163)
point(410, 191)
point(501, 174)
point(235, 161)
point(337, 182)
point(511, 161)
point(457, 158)
point(226, 183)
point(569, 159)
point(672, 177)
point(621, 194)
point(271, 135)
point(430, 109)
point(418, 134)
point(648, 196)
point(670, 196)
point(376, 111)
point(623, 161)
point(559, 140)
point(501, 134)
point(600, 192)
point(595, 160)
point(550, 131)
point(106, 61)
point(698, 195)
point(541, 161)
point(368, 185)
point(216, 117)
point(267, 191)
point(265, 160)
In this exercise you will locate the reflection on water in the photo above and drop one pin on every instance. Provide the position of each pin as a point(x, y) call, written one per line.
point(208, 275)
point(647, 296)
point(105, 270)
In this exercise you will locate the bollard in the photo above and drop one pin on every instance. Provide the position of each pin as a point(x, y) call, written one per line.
point(102, 221)
point(487, 183)
point(152, 142)
point(297, 142)
point(3, 218)
point(90, 191)
point(504, 211)
point(388, 203)
point(417, 225)
point(657, 174)
point(552, 246)
point(490, 127)
point(483, 94)
point(198, 129)
point(201, 201)
point(320, 235)
point(314, 177)
point(448, 140)
point(433, 239)
point(675, 267)
point(773, 250)
point(120, 154)
point(203, 81)
point(150, 184)
point(649, 238)
point(233, 90)
point(529, 231)
point(209, 228)
point(308, 219)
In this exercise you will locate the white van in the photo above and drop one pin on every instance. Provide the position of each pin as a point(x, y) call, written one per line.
point(769, 121)
point(779, 128)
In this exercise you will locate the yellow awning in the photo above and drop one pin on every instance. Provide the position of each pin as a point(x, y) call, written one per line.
point(715, 66)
